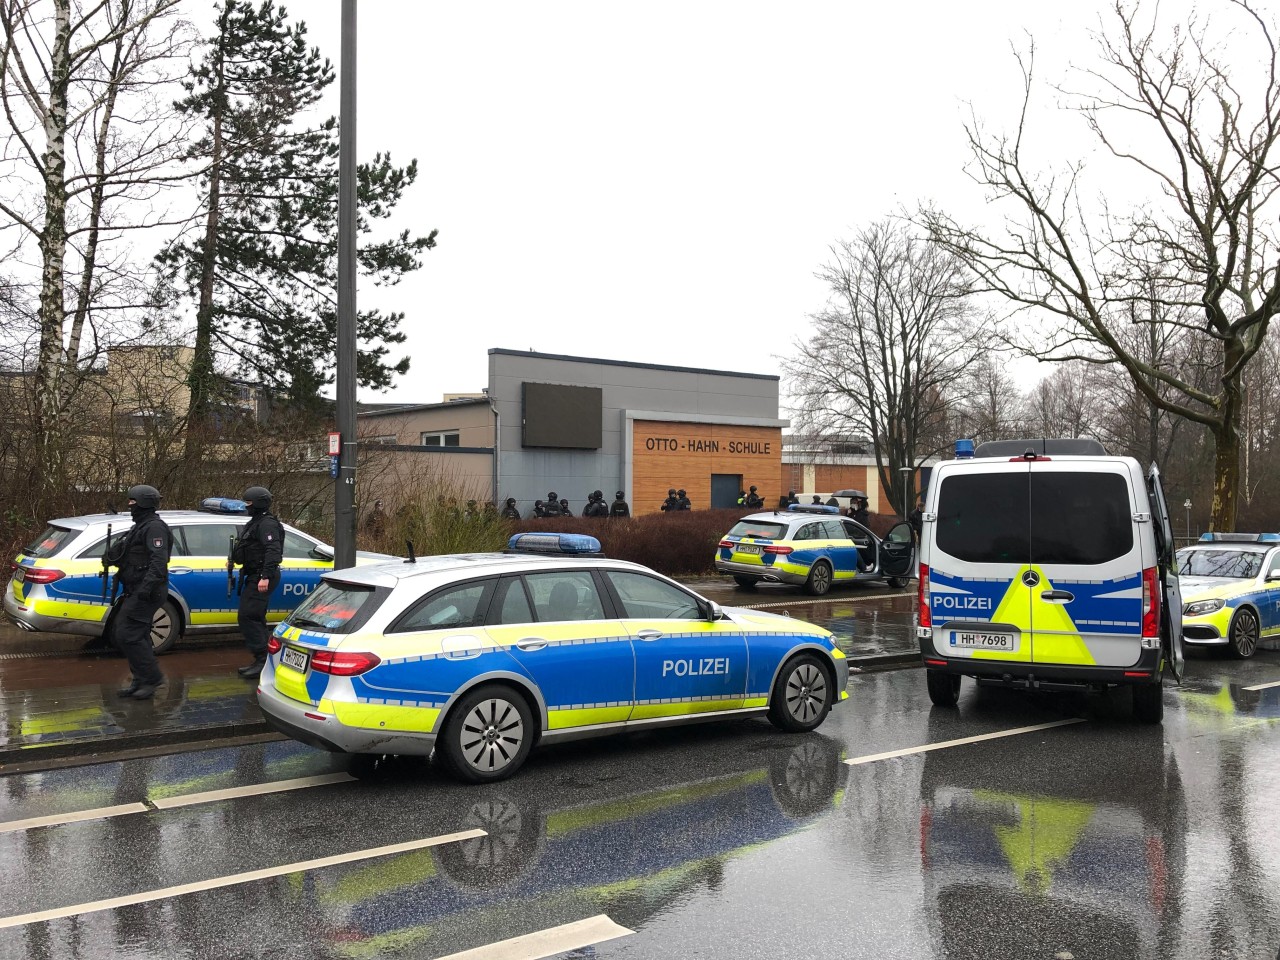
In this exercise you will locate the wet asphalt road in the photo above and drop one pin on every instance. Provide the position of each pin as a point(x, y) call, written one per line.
point(1096, 839)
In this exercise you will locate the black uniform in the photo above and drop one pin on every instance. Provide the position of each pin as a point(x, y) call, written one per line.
point(753, 500)
point(143, 562)
point(619, 507)
point(511, 511)
point(259, 550)
point(671, 503)
point(859, 512)
point(682, 501)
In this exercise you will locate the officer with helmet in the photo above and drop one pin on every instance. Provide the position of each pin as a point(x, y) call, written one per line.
point(619, 508)
point(258, 549)
point(142, 562)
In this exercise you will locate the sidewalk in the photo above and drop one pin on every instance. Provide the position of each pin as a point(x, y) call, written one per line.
point(65, 705)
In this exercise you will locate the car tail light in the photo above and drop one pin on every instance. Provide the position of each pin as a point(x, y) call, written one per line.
point(780, 551)
point(42, 575)
point(924, 618)
point(727, 544)
point(339, 664)
point(1150, 603)
point(273, 645)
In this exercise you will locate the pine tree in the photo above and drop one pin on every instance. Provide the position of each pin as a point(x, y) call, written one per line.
point(263, 270)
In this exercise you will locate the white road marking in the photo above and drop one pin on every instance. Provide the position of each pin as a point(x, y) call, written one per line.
point(1264, 686)
point(549, 942)
point(215, 883)
point(253, 790)
point(873, 757)
point(56, 819)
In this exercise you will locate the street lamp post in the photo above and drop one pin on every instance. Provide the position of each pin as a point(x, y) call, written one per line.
point(1187, 505)
point(906, 489)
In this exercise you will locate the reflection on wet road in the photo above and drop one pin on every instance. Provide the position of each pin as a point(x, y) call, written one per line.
point(1098, 839)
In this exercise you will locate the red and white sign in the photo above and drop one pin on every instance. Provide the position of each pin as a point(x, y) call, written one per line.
point(335, 443)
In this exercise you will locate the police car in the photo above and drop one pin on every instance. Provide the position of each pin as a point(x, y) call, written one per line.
point(814, 547)
point(483, 655)
point(1231, 591)
point(56, 583)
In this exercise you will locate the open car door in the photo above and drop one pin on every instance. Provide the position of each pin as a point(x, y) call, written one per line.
point(1171, 621)
point(898, 551)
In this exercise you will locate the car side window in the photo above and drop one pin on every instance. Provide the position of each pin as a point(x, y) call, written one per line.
point(298, 547)
point(648, 598)
point(856, 531)
point(203, 539)
point(564, 595)
point(449, 609)
point(834, 530)
point(511, 604)
point(810, 531)
point(1275, 565)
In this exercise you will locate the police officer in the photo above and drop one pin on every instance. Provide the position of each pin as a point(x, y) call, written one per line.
point(858, 510)
point(551, 505)
point(619, 507)
point(511, 511)
point(742, 498)
point(817, 501)
point(754, 500)
point(564, 508)
point(538, 509)
point(258, 549)
point(672, 502)
point(682, 501)
point(142, 559)
point(596, 507)
point(792, 498)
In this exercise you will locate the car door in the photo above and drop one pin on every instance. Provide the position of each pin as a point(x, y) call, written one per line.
point(557, 629)
point(1171, 626)
point(898, 551)
point(684, 663)
point(198, 572)
point(863, 541)
point(842, 548)
point(300, 571)
point(1087, 564)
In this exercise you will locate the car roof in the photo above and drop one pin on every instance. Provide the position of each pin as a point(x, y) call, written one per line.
point(447, 567)
point(93, 519)
point(1231, 545)
point(784, 516)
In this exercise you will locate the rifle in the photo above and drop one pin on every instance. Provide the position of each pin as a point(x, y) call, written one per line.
point(231, 566)
point(106, 569)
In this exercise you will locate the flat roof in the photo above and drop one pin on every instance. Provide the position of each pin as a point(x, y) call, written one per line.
point(385, 409)
point(630, 363)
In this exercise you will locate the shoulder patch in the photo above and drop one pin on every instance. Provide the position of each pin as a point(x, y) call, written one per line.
point(158, 542)
point(271, 536)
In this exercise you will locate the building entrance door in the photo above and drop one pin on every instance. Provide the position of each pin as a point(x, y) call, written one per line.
point(725, 488)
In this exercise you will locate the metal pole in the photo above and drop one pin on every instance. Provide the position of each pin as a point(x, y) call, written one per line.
point(344, 532)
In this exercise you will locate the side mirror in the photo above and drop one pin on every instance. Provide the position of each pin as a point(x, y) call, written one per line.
point(717, 613)
point(322, 551)
point(1273, 575)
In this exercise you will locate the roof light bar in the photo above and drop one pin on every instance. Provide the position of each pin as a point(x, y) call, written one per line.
point(553, 543)
point(812, 508)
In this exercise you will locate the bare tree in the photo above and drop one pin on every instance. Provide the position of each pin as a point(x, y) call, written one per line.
point(986, 404)
point(895, 331)
point(87, 151)
point(1198, 126)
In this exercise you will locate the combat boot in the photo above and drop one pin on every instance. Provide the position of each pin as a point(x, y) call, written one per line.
point(252, 671)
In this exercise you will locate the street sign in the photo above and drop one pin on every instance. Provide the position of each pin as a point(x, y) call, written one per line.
point(335, 444)
point(333, 466)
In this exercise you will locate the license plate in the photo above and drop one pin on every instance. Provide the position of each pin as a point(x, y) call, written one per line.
point(973, 640)
point(749, 548)
point(297, 659)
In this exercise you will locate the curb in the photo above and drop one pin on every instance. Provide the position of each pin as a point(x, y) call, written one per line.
point(104, 749)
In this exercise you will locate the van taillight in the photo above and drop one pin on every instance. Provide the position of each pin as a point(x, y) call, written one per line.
point(923, 617)
point(42, 575)
point(1150, 603)
point(340, 664)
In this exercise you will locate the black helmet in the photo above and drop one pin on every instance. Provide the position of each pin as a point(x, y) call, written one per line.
point(511, 501)
point(259, 497)
point(145, 496)
point(679, 493)
point(753, 489)
point(552, 495)
point(598, 495)
point(671, 492)
point(619, 494)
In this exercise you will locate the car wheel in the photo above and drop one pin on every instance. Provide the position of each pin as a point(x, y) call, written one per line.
point(166, 627)
point(488, 734)
point(745, 582)
point(803, 695)
point(944, 688)
point(1243, 635)
point(899, 583)
point(819, 581)
point(1148, 702)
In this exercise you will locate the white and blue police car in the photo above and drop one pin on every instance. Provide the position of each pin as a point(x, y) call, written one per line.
point(56, 584)
point(480, 656)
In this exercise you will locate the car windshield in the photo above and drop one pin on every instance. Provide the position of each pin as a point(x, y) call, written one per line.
point(332, 607)
point(48, 543)
point(1236, 564)
point(758, 528)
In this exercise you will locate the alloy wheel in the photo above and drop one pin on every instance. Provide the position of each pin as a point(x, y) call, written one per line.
point(806, 693)
point(491, 735)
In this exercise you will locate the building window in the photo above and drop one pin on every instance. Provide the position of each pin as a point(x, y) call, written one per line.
point(445, 438)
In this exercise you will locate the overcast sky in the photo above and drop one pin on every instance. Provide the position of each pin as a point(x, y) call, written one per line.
point(658, 182)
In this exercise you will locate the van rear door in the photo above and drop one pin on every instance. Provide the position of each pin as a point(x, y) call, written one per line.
point(1171, 616)
point(1085, 574)
point(978, 553)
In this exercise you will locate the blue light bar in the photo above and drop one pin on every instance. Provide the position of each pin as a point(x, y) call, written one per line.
point(223, 505)
point(812, 508)
point(561, 543)
point(964, 449)
point(1240, 538)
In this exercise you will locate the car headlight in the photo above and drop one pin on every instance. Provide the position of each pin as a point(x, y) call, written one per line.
point(1201, 607)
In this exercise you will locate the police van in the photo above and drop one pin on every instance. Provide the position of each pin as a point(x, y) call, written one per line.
point(1048, 565)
